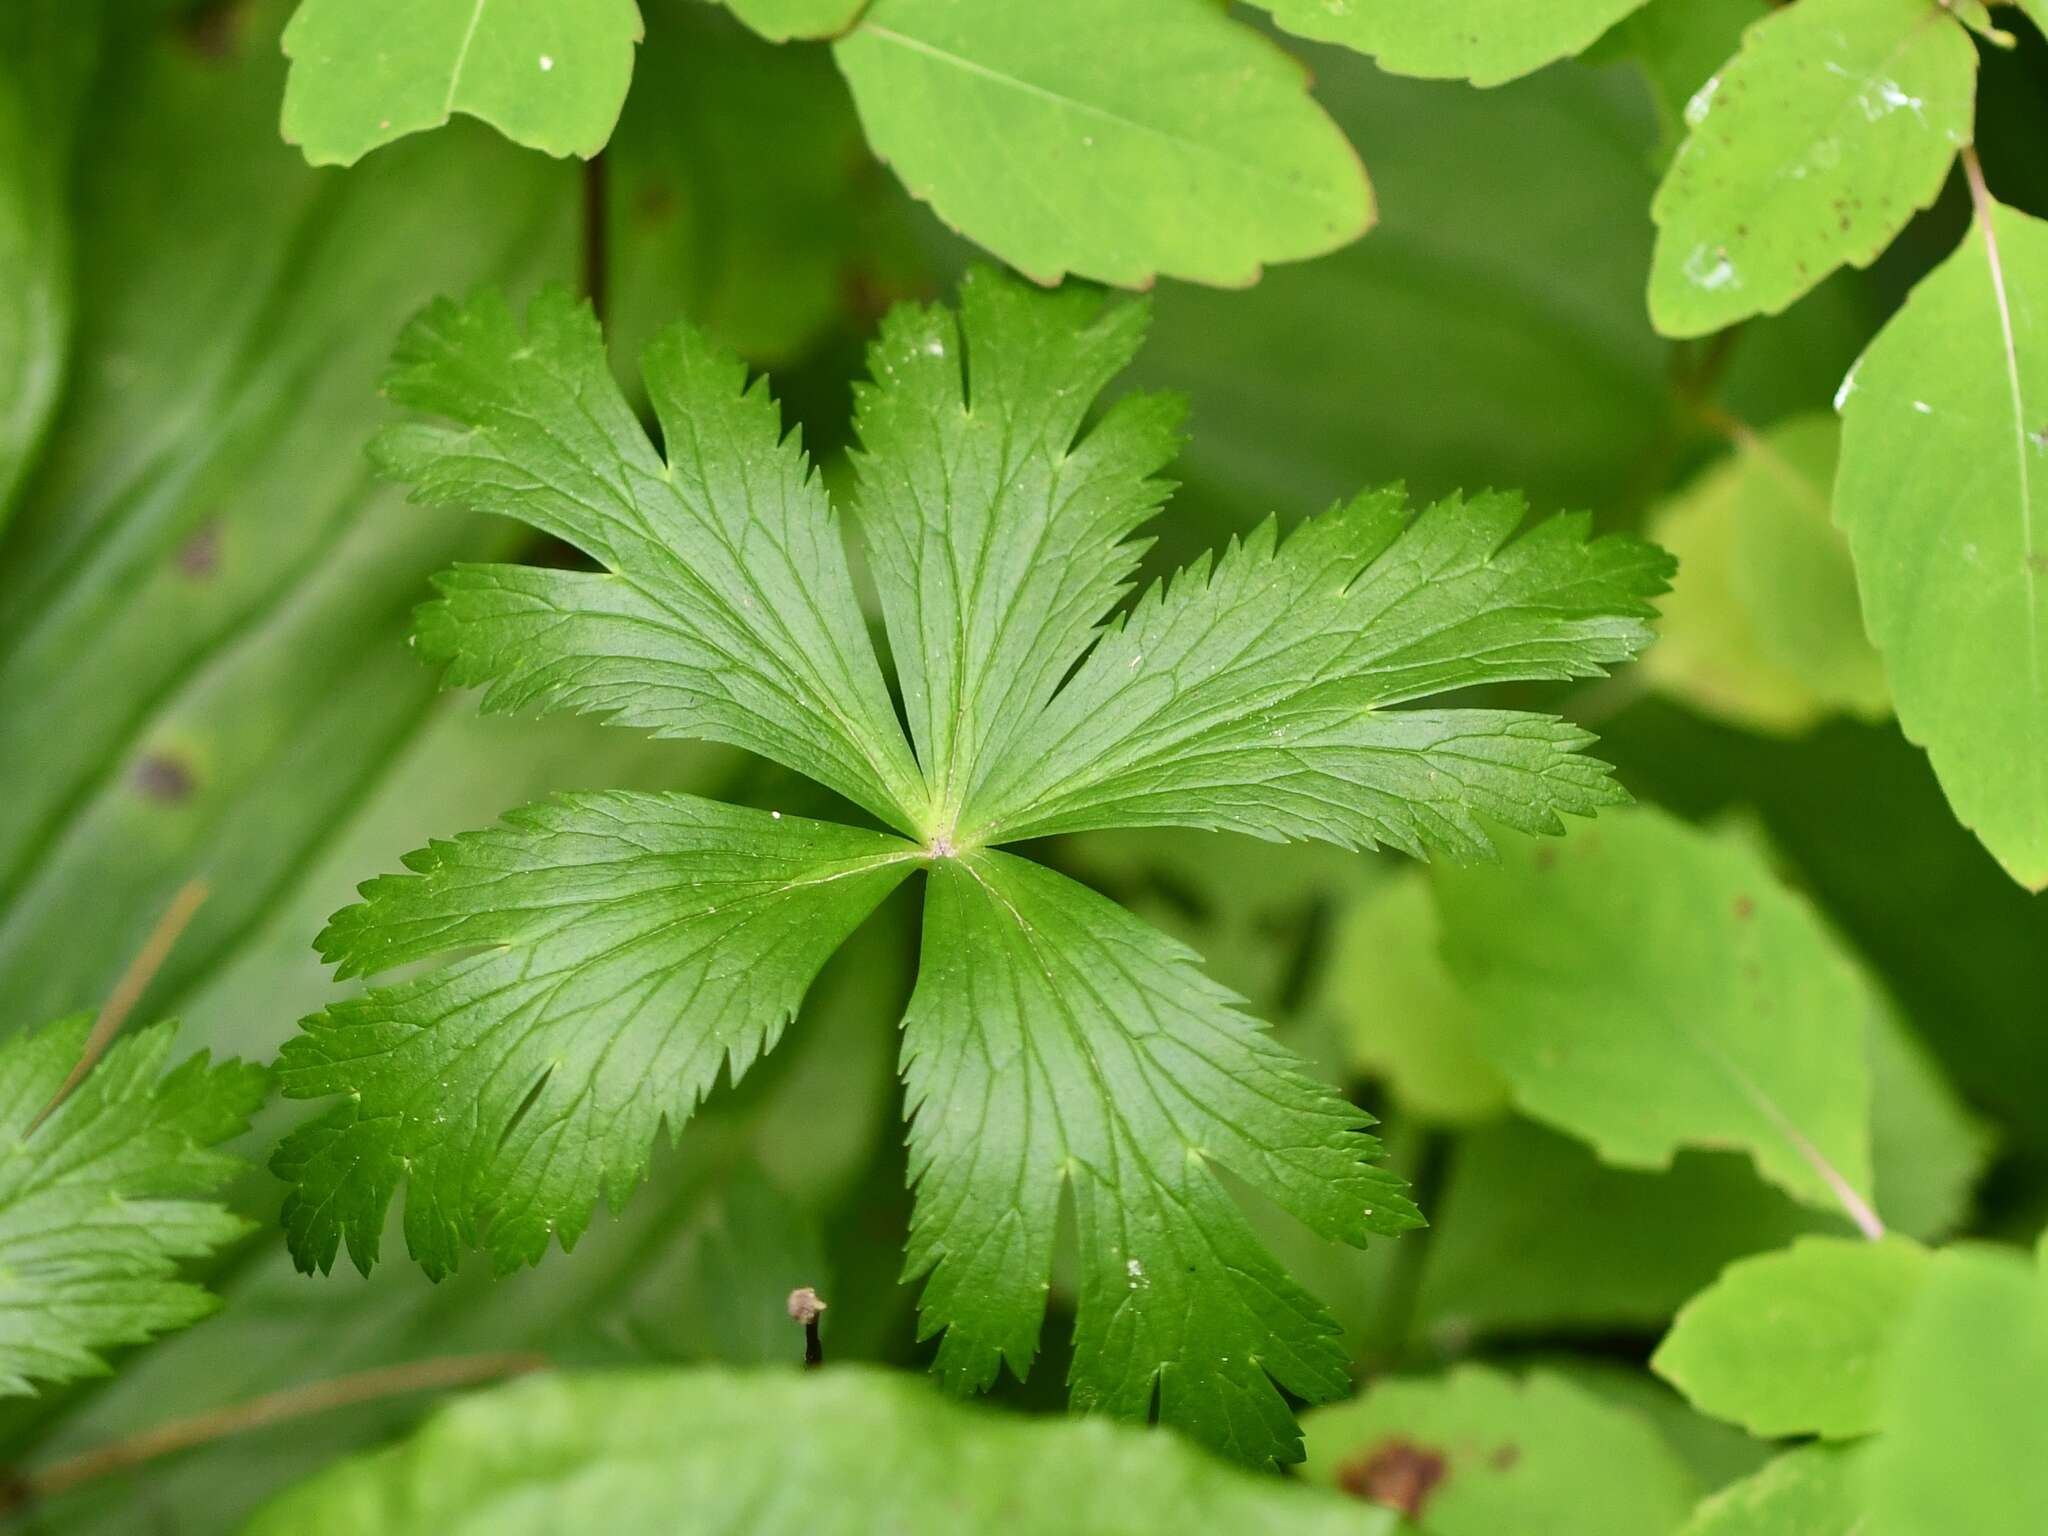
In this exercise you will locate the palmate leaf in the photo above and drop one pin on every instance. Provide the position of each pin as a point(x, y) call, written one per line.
point(101, 1200)
point(626, 947)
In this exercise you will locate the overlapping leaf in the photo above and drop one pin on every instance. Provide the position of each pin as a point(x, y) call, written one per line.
point(1811, 149)
point(1149, 138)
point(1484, 41)
point(840, 1453)
point(103, 1196)
point(365, 72)
point(1943, 492)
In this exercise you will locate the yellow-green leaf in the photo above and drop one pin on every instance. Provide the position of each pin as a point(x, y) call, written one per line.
point(1831, 128)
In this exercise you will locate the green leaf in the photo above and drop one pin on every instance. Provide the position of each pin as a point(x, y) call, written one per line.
point(1257, 696)
point(365, 72)
point(1484, 41)
point(998, 542)
point(1943, 493)
point(829, 1453)
point(958, 507)
point(1403, 1015)
point(1476, 1453)
point(780, 20)
point(1762, 627)
point(1678, 44)
point(1966, 1405)
point(1816, 1490)
point(1796, 1342)
point(725, 610)
point(104, 1195)
point(632, 947)
point(1833, 126)
point(1648, 987)
point(1155, 139)
point(1054, 1040)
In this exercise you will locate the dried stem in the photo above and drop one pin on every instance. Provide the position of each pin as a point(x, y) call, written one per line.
point(156, 949)
point(259, 1413)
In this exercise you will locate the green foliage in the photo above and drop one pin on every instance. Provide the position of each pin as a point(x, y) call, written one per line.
point(1404, 1018)
point(1175, 142)
point(1966, 1408)
point(780, 20)
point(724, 609)
point(1796, 1342)
point(828, 1455)
point(365, 72)
point(106, 1185)
point(1815, 1490)
point(1944, 496)
point(1484, 41)
point(1112, 1160)
point(1765, 631)
point(1476, 1452)
point(1811, 148)
point(1649, 987)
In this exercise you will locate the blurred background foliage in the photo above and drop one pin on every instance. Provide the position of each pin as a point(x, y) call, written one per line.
point(203, 597)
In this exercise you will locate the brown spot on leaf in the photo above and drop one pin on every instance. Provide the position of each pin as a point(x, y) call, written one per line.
point(1397, 1473)
point(1546, 857)
point(163, 778)
point(1744, 907)
point(1506, 1457)
point(214, 30)
point(199, 556)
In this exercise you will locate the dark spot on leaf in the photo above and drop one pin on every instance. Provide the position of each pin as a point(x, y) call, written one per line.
point(1744, 907)
point(1506, 1457)
point(164, 779)
point(199, 556)
point(213, 31)
point(657, 201)
point(1397, 1473)
point(1545, 857)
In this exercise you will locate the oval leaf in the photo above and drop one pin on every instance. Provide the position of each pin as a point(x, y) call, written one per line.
point(1943, 492)
point(1154, 137)
point(1816, 144)
point(1762, 627)
point(1484, 41)
point(549, 74)
point(1796, 1342)
point(635, 1453)
point(1647, 986)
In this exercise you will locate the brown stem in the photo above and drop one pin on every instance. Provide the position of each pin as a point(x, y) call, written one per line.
point(19, 1491)
point(149, 959)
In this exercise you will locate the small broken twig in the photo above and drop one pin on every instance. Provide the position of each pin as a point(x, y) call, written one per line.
point(805, 1308)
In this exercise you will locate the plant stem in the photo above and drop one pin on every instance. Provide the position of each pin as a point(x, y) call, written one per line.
point(259, 1413)
point(156, 949)
point(595, 249)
